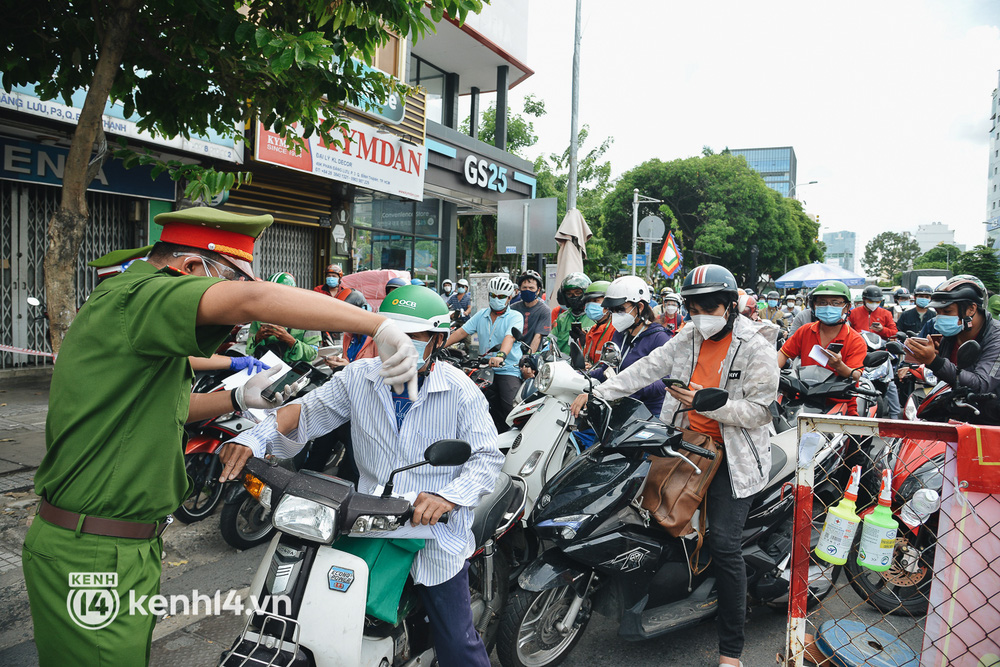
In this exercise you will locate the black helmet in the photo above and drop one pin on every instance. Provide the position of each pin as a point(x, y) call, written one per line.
point(900, 291)
point(356, 298)
point(709, 279)
point(960, 288)
point(772, 295)
point(394, 283)
point(872, 293)
point(530, 274)
point(923, 289)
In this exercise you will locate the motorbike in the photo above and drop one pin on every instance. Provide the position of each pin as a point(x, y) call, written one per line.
point(327, 624)
point(916, 464)
point(604, 556)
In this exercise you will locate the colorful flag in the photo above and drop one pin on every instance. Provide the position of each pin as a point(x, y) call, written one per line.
point(670, 257)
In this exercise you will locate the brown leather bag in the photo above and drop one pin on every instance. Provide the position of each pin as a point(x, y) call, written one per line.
point(673, 489)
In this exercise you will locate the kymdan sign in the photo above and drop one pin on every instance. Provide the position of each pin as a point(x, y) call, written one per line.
point(368, 158)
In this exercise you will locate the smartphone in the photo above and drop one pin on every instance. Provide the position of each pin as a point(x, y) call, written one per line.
point(675, 383)
point(298, 371)
point(835, 347)
point(936, 338)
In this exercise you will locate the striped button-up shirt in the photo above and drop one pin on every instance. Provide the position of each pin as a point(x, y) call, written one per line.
point(448, 405)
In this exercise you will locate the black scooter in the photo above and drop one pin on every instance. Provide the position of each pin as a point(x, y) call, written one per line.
point(603, 554)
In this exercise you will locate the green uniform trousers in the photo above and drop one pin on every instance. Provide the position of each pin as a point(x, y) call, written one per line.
point(49, 557)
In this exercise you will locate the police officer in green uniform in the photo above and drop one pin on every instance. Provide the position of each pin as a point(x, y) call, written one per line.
point(120, 395)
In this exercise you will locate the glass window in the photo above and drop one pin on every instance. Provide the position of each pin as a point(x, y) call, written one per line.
point(431, 78)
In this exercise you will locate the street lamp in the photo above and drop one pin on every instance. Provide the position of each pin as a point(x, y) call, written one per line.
point(796, 186)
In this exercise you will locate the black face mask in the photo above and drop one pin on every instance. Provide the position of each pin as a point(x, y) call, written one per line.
point(575, 304)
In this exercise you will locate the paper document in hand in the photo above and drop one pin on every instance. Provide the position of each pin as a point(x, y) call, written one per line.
point(820, 355)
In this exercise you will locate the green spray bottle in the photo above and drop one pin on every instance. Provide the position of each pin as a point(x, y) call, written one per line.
point(878, 534)
point(841, 524)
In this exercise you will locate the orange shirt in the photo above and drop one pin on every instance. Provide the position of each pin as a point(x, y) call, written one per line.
point(708, 373)
point(853, 352)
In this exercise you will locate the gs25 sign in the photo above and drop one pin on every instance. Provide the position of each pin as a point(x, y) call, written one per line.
point(485, 174)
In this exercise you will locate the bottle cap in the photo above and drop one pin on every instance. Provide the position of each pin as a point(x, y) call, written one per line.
point(852, 486)
point(885, 493)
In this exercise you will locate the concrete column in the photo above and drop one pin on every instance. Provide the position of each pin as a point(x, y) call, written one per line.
point(450, 102)
point(474, 113)
point(503, 84)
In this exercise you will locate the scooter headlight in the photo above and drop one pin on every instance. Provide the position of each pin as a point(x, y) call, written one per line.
point(544, 379)
point(565, 527)
point(305, 518)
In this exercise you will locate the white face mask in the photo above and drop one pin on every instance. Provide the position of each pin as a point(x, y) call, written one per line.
point(871, 305)
point(670, 310)
point(622, 321)
point(709, 325)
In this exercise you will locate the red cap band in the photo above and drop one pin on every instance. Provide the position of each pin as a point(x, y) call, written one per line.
point(221, 241)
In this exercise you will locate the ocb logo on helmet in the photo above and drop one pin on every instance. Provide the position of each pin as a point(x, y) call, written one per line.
point(404, 303)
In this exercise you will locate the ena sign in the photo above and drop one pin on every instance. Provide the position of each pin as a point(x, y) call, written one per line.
point(485, 174)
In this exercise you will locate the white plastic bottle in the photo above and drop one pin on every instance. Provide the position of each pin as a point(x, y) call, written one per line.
point(916, 510)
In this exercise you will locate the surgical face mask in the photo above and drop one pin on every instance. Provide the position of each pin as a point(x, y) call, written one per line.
point(461, 290)
point(790, 304)
point(871, 305)
point(904, 304)
point(948, 325)
point(622, 321)
point(709, 325)
point(332, 281)
point(830, 314)
point(421, 346)
point(670, 309)
point(497, 304)
point(447, 289)
point(528, 296)
point(923, 301)
point(772, 303)
point(594, 311)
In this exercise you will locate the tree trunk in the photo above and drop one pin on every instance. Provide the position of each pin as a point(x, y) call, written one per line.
point(69, 223)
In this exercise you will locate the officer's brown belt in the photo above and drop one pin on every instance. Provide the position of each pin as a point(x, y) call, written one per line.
point(94, 525)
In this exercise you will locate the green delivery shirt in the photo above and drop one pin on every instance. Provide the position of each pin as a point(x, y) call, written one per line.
point(120, 394)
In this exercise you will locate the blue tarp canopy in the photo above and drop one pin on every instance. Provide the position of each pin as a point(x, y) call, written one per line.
point(813, 274)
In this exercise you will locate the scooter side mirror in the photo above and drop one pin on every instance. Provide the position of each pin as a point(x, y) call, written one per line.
point(968, 354)
point(611, 354)
point(709, 398)
point(902, 335)
point(876, 358)
point(448, 453)
point(576, 358)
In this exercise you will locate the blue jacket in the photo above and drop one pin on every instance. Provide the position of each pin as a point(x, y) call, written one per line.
point(651, 338)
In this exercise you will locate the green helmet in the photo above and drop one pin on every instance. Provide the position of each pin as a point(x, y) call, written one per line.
point(416, 308)
point(282, 278)
point(576, 280)
point(597, 289)
point(830, 288)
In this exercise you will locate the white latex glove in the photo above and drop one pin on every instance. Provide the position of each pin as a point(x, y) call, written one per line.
point(248, 395)
point(399, 358)
point(609, 374)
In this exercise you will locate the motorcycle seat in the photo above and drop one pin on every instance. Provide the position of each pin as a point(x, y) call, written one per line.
point(493, 508)
point(778, 461)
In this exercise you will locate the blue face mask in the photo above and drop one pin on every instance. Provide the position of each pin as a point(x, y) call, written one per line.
point(923, 301)
point(461, 290)
point(332, 281)
point(948, 325)
point(421, 346)
point(830, 314)
point(498, 304)
point(594, 311)
point(528, 296)
point(772, 303)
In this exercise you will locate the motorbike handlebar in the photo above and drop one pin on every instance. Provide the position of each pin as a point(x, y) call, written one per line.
point(695, 449)
point(408, 514)
point(988, 396)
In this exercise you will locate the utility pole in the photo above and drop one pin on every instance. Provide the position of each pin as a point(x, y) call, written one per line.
point(574, 116)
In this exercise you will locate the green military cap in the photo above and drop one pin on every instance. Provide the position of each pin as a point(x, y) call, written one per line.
point(117, 261)
point(229, 234)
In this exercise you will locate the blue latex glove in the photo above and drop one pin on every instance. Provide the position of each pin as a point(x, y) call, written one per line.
point(251, 365)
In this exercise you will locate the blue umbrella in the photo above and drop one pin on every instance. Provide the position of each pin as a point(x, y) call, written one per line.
point(813, 274)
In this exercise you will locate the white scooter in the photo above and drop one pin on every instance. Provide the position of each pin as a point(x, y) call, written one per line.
point(311, 597)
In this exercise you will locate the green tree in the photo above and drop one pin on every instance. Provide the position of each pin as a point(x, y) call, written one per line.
point(941, 256)
point(981, 262)
point(520, 128)
point(890, 253)
point(718, 208)
point(193, 67)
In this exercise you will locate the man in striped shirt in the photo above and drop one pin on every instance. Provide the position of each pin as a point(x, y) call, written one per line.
point(390, 431)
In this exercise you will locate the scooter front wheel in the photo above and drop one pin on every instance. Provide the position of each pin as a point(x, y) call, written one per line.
point(206, 493)
point(245, 524)
point(529, 628)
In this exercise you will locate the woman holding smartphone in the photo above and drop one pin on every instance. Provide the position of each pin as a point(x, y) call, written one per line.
point(721, 348)
point(842, 346)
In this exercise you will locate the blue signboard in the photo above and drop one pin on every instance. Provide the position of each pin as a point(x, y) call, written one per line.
point(640, 260)
point(29, 162)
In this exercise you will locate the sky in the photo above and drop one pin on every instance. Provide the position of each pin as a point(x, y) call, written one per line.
point(887, 103)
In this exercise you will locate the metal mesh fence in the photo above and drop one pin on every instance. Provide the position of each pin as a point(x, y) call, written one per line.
point(912, 580)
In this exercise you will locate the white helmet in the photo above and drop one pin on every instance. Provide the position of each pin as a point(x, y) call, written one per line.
point(463, 282)
point(627, 289)
point(672, 297)
point(502, 285)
